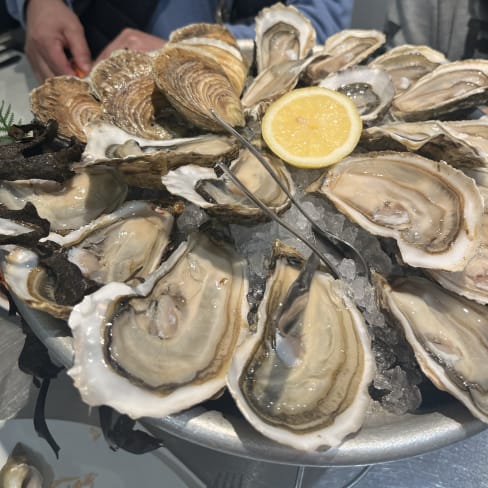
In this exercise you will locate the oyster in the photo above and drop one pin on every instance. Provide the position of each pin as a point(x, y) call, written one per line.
point(449, 336)
point(70, 204)
point(194, 84)
point(371, 90)
point(143, 161)
point(166, 344)
point(407, 63)
point(68, 101)
point(449, 87)
point(283, 34)
point(472, 281)
point(311, 389)
point(462, 143)
point(110, 247)
point(433, 210)
point(343, 50)
point(216, 42)
point(221, 198)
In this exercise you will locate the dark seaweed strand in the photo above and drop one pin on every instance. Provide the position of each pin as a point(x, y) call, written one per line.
point(34, 360)
point(118, 430)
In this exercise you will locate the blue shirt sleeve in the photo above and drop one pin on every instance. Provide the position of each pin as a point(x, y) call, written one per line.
point(16, 9)
point(327, 17)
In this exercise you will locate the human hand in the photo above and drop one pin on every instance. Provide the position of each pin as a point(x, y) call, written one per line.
point(51, 27)
point(132, 39)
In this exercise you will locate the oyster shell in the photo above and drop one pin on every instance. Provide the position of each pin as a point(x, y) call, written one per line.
point(216, 42)
point(67, 100)
point(433, 210)
point(311, 390)
point(166, 344)
point(194, 84)
point(371, 89)
point(343, 50)
point(448, 334)
point(70, 204)
point(462, 143)
point(407, 63)
point(221, 198)
point(449, 87)
point(143, 161)
point(283, 34)
point(110, 247)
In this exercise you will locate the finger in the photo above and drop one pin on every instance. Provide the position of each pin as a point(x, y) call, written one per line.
point(108, 49)
point(41, 70)
point(56, 59)
point(79, 49)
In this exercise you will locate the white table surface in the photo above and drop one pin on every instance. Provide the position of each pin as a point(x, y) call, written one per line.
point(462, 465)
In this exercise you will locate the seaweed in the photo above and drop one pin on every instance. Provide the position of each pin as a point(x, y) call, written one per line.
point(6, 121)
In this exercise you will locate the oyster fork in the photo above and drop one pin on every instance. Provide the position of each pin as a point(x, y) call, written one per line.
point(334, 244)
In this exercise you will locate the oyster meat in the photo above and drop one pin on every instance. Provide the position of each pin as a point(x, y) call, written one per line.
point(221, 198)
point(371, 90)
point(433, 210)
point(449, 336)
point(166, 344)
point(407, 63)
point(448, 88)
point(283, 34)
point(311, 389)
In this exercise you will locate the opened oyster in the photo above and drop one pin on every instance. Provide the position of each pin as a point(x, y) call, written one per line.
point(449, 336)
point(449, 87)
point(311, 389)
point(283, 34)
point(70, 204)
point(407, 63)
point(343, 50)
point(221, 198)
point(370, 89)
point(166, 344)
point(432, 210)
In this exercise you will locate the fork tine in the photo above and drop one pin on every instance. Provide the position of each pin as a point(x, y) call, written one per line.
point(228, 479)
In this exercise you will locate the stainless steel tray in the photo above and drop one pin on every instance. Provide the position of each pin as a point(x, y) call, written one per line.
point(384, 437)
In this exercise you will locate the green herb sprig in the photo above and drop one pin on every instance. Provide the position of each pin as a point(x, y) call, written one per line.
point(6, 121)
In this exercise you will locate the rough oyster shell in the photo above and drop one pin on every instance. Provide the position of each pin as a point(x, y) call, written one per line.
point(462, 143)
point(67, 100)
point(194, 84)
point(371, 90)
point(311, 390)
point(407, 63)
point(283, 34)
point(448, 334)
point(143, 161)
point(449, 87)
point(216, 42)
point(433, 210)
point(167, 343)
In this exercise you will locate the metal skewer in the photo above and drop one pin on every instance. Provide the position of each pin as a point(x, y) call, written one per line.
point(331, 240)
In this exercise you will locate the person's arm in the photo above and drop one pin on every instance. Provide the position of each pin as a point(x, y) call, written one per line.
point(327, 17)
point(51, 30)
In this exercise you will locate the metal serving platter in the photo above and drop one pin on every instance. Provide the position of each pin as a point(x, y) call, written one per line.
point(217, 424)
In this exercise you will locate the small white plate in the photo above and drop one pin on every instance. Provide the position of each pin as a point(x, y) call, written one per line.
point(85, 459)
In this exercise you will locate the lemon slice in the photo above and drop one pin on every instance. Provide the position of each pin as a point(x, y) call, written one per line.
point(312, 127)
